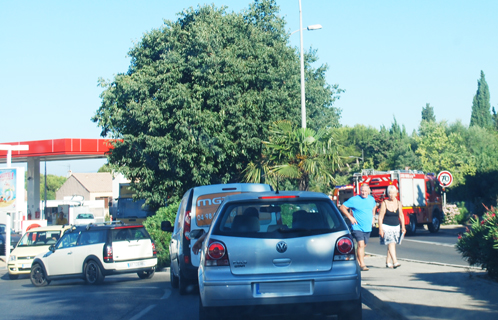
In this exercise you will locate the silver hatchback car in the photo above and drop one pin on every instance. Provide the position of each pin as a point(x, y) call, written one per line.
point(277, 253)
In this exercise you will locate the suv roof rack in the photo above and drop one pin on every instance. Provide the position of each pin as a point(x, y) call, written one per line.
point(106, 223)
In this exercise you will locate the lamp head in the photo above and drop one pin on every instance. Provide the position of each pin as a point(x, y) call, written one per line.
point(314, 27)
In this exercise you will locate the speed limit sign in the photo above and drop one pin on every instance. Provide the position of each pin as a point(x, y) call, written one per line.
point(445, 178)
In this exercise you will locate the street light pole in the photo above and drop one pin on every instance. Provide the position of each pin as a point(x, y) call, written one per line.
point(303, 98)
point(303, 101)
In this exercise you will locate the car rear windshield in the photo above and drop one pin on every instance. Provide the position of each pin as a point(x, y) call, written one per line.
point(84, 216)
point(129, 233)
point(39, 238)
point(279, 219)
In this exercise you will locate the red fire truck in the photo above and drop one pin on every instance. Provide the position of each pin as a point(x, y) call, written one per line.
point(419, 194)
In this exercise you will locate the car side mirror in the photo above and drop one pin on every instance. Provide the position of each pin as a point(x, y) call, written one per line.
point(196, 234)
point(51, 248)
point(166, 226)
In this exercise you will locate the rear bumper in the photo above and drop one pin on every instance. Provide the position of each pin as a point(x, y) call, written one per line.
point(129, 266)
point(325, 287)
point(303, 309)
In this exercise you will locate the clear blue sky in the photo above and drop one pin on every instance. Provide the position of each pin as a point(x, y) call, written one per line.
point(391, 57)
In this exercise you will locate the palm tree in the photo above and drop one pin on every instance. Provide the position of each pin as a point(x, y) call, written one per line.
point(300, 154)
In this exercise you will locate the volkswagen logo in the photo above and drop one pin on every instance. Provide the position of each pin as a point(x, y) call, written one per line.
point(281, 246)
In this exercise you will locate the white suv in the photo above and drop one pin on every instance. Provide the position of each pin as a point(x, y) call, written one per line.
point(95, 251)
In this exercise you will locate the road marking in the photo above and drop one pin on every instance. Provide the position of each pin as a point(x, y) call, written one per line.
point(143, 312)
point(166, 295)
point(431, 242)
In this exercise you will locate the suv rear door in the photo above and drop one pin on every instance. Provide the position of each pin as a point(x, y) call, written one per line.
point(131, 243)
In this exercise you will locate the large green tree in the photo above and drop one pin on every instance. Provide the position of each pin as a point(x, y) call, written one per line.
point(481, 115)
point(440, 149)
point(200, 95)
point(387, 149)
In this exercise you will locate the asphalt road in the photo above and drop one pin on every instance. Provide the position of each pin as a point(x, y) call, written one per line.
point(128, 297)
point(119, 297)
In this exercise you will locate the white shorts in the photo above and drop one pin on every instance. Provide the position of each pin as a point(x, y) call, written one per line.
point(391, 234)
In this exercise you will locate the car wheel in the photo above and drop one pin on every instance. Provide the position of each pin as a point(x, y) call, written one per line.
point(146, 274)
point(38, 276)
point(93, 274)
point(436, 223)
point(13, 276)
point(412, 225)
point(351, 311)
point(183, 283)
point(173, 279)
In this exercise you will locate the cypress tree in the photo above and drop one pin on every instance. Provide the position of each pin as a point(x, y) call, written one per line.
point(428, 113)
point(481, 115)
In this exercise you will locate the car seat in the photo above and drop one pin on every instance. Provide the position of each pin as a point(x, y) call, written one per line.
point(243, 223)
point(305, 220)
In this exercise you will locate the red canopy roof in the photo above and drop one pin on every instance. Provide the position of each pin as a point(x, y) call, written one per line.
point(59, 149)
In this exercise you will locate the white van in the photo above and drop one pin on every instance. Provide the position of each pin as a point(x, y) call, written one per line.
point(196, 211)
point(32, 243)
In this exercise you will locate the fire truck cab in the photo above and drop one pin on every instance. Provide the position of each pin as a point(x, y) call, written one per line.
point(418, 192)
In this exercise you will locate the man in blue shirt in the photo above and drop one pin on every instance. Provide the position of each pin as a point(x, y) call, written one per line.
point(363, 208)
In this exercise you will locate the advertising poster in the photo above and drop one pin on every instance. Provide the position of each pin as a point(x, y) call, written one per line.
point(8, 185)
point(206, 206)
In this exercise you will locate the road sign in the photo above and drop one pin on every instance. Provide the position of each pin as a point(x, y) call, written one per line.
point(445, 178)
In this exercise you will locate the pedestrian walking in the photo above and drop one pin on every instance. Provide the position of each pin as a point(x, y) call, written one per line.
point(390, 218)
point(363, 211)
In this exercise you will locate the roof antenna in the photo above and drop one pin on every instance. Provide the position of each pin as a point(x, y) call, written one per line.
point(276, 192)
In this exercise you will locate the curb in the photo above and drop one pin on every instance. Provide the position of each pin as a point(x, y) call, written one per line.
point(374, 303)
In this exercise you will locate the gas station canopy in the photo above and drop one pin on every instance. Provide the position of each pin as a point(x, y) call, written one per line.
point(59, 149)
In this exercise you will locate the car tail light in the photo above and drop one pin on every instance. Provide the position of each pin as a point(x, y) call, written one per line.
point(186, 225)
point(344, 249)
point(108, 257)
point(216, 254)
point(154, 251)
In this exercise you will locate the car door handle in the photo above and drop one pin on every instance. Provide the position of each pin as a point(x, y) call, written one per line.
point(70, 252)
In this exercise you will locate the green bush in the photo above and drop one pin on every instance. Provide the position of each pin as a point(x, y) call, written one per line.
point(464, 214)
point(479, 244)
point(161, 238)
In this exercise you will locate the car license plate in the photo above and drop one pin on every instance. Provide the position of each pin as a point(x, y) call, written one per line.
point(135, 264)
point(26, 265)
point(281, 289)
